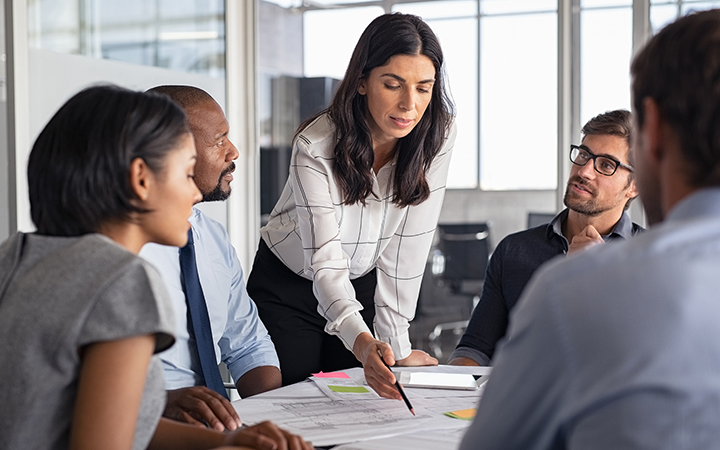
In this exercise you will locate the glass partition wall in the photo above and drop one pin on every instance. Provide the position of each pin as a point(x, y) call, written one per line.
point(7, 160)
point(183, 35)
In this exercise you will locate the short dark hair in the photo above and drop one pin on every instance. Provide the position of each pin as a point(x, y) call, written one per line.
point(386, 36)
point(680, 70)
point(79, 166)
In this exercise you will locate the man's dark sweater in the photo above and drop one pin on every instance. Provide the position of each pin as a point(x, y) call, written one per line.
point(511, 266)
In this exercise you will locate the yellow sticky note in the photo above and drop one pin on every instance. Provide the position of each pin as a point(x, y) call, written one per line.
point(463, 414)
point(353, 389)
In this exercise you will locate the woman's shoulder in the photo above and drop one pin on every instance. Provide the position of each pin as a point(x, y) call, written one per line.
point(92, 255)
point(450, 134)
point(90, 246)
point(452, 128)
point(318, 133)
point(98, 249)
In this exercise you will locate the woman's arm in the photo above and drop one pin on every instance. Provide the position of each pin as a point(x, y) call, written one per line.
point(171, 435)
point(317, 200)
point(400, 268)
point(110, 387)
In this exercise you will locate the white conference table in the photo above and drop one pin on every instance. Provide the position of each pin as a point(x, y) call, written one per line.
point(368, 424)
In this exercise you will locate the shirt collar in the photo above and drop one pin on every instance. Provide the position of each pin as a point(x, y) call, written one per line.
point(623, 228)
point(555, 225)
point(701, 203)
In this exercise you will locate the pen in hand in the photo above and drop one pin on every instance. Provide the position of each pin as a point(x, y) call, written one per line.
point(400, 389)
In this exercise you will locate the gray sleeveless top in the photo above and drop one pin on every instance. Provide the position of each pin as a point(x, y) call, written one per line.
point(57, 295)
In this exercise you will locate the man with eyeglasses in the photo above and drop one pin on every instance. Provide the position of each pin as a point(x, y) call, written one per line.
point(599, 190)
point(619, 348)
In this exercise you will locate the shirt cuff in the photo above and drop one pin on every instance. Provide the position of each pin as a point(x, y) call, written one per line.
point(471, 353)
point(400, 344)
point(350, 328)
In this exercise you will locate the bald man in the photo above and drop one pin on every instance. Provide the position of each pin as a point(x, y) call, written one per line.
point(239, 338)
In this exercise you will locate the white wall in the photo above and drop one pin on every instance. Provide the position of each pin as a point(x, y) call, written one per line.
point(55, 77)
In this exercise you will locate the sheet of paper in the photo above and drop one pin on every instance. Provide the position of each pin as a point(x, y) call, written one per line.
point(330, 422)
point(302, 390)
point(427, 440)
point(303, 409)
point(344, 388)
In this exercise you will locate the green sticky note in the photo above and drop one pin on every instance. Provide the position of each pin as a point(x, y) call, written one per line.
point(353, 389)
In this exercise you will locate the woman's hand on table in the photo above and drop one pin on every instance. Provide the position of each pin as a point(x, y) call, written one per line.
point(417, 358)
point(367, 350)
point(266, 436)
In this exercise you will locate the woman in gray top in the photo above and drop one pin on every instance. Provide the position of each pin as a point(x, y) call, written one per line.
point(81, 316)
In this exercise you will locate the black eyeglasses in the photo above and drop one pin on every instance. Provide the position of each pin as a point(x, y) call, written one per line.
point(605, 165)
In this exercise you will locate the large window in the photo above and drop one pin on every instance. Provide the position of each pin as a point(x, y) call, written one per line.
point(494, 87)
point(518, 95)
point(455, 24)
point(502, 67)
point(329, 37)
point(663, 12)
point(605, 55)
point(183, 35)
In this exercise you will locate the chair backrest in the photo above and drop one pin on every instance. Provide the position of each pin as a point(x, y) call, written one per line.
point(466, 251)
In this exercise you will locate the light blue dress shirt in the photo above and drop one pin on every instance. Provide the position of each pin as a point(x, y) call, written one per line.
point(241, 340)
point(617, 347)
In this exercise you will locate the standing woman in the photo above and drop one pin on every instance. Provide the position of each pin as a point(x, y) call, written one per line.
point(345, 247)
point(81, 315)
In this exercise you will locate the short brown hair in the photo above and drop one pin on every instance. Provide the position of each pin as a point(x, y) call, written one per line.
point(614, 123)
point(680, 70)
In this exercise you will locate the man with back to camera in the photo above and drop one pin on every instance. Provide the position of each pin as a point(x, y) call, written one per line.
point(619, 348)
point(234, 333)
point(600, 188)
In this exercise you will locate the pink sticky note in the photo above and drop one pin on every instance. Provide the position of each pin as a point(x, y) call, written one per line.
point(331, 375)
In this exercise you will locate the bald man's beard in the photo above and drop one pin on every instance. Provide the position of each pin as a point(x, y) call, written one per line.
point(218, 194)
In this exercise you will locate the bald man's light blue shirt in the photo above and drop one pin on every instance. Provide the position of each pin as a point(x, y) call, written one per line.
point(241, 339)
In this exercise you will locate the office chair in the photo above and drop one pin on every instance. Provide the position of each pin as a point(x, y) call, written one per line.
point(460, 262)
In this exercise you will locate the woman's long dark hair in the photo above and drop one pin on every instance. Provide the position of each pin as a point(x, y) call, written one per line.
point(385, 37)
